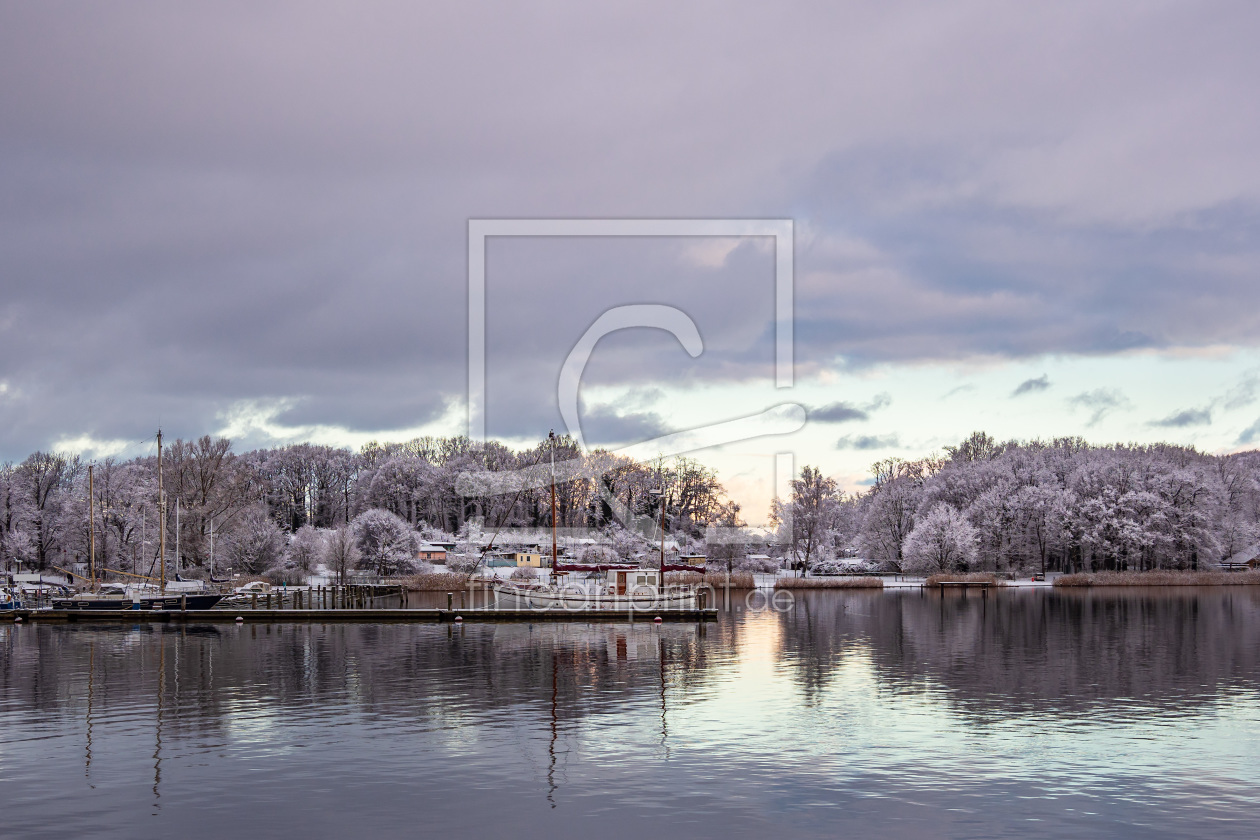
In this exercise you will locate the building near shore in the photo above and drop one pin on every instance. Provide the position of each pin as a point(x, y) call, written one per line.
point(434, 554)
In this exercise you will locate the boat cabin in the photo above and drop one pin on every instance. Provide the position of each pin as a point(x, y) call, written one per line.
point(627, 581)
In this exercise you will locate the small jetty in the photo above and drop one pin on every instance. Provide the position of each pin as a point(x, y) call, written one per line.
point(339, 616)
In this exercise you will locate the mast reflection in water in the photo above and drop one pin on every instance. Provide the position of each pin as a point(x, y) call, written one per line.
point(1032, 713)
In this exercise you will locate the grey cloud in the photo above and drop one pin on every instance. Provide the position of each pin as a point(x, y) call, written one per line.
point(1243, 394)
point(1249, 434)
point(839, 412)
point(200, 208)
point(1099, 402)
point(844, 412)
point(867, 442)
point(1185, 417)
point(603, 424)
point(1029, 386)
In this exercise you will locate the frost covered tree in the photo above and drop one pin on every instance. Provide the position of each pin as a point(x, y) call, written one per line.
point(386, 543)
point(942, 541)
point(304, 551)
point(626, 544)
point(256, 543)
point(888, 519)
point(725, 550)
point(463, 563)
point(340, 553)
point(44, 480)
point(597, 554)
point(212, 485)
point(812, 512)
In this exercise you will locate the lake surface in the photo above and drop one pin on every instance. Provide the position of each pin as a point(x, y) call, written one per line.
point(1030, 713)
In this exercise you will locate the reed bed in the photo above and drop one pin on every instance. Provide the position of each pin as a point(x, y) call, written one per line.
point(717, 580)
point(435, 581)
point(829, 583)
point(970, 577)
point(1159, 578)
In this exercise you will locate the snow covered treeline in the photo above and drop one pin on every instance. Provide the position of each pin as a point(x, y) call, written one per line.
point(261, 504)
point(1017, 506)
point(982, 505)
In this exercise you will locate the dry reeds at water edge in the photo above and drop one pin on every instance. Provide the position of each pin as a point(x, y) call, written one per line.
point(1159, 578)
point(829, 583)
point(977, 578)
point(718, 580)
point(435, 581)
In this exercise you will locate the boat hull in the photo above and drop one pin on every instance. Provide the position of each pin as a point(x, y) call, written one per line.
point(148, 602)
point(551, 599)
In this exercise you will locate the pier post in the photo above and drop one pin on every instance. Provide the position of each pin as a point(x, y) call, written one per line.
point(253, 600)
point(450, 600)
point(183, 603)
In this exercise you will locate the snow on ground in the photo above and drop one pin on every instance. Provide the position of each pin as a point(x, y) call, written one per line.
point(913, 582)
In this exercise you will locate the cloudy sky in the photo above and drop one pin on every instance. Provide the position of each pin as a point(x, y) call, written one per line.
point(252, 219)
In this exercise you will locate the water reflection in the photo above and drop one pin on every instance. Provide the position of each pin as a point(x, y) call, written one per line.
point(1038, 713)
point(1062, 653)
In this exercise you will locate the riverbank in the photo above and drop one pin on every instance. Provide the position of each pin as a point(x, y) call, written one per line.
point(829, 583)
point(454, 581)
point(1159, 578)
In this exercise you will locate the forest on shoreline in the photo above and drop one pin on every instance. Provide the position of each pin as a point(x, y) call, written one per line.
point(983, 505)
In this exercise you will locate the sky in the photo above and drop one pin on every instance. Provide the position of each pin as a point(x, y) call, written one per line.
point(252, 219)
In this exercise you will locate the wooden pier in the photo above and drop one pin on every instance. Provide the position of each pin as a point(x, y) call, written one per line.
point(341, 616)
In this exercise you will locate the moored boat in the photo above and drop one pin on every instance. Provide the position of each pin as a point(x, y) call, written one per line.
point(120, 597)
point(613, 589)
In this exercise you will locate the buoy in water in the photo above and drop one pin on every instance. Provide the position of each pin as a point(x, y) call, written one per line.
point(17, 619)
point(240, 618)
point(459, 618)
point(657, 620)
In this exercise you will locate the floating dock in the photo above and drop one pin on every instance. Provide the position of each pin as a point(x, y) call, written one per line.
point(420, 616)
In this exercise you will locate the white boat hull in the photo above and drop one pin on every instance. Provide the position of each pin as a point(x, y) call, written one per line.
point(547, 598)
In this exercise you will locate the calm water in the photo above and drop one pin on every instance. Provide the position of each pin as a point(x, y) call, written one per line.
point(1027, 714)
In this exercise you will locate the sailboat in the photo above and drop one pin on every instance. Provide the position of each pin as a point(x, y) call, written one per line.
point(117, 596)
point(612, 586)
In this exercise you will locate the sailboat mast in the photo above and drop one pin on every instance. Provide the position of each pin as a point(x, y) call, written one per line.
point(91, 529)
point(663, 498)
point(552, 435)
point(161, 518)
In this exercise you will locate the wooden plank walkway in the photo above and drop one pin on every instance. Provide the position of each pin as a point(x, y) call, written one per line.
point(427, 616)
